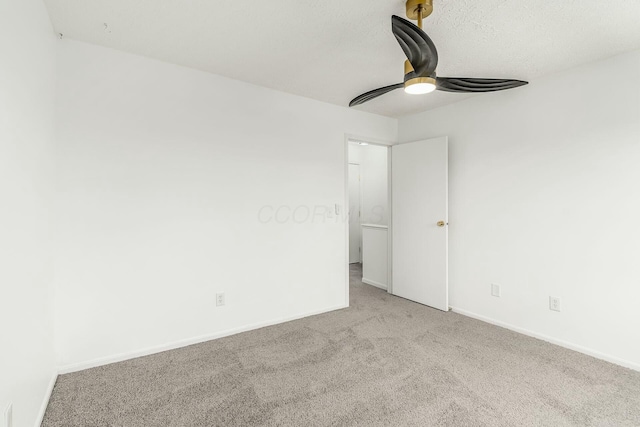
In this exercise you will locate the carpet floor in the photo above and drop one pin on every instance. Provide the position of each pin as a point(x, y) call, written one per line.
point(384, 361)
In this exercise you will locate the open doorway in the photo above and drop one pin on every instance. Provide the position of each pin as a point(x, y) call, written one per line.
point(368, 210)
point(397, 206)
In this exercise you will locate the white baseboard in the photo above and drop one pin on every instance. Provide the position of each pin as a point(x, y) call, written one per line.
point(374, 283)
point(74, 367)
point(561, 343)
point(45, 400)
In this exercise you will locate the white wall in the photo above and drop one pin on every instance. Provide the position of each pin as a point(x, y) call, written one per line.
point(375, 255)
point(162, 175)
point(26, 132)
point(545, 200)
point(374, 181)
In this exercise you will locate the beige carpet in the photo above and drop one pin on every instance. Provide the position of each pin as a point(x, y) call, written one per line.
point(384, 361)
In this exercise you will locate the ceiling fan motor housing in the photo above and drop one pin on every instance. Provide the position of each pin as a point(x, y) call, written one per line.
point(410, 77)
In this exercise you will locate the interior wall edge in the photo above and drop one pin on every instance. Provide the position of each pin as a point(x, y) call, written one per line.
point(565, 344)
point(80, 366)
point(46, 398)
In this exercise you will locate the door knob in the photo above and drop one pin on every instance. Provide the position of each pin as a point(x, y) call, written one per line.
point(440, 223)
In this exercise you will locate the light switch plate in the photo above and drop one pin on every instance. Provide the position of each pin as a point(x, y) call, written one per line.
point(495, 290)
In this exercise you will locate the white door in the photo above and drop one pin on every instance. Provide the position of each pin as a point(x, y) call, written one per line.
point(355, 232)
point(419, 178)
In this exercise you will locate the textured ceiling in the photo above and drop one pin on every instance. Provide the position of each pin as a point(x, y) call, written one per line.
point(333, 50)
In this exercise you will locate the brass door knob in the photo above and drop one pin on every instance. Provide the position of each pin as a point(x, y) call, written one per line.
point(440, 223)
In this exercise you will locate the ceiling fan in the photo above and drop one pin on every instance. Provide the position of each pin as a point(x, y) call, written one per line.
point(422, 60)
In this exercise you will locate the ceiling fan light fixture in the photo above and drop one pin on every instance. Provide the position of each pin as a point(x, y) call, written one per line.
point(422, 60)
point(420, 85)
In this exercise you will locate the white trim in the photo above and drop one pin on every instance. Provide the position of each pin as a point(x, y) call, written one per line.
point(371, 141)
point(374, 226)
point(348, 209)
point(45, 400)
point(389, 222)
point(561, 343)
point(374, 283)
point(74, 367)
point(346, 222)
point(446, 221)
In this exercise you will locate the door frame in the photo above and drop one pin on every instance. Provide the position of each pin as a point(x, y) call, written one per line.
point(348, 207)
point(344, 213)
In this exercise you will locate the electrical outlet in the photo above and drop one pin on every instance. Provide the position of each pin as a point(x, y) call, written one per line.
point(8, 416)
point(220, 299)
point(554, 304)
point(495, 290)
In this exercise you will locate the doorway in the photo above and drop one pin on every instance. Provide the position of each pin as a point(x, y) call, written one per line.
point(368, 209)
point(397, 199)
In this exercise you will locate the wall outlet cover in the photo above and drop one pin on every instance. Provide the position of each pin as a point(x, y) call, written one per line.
point(554, 304)
point(220, 299)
